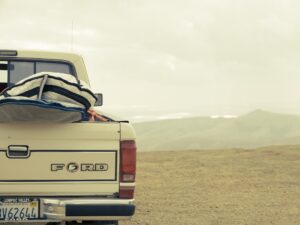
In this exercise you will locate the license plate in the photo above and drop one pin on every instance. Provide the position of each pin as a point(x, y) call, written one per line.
point(18, 209)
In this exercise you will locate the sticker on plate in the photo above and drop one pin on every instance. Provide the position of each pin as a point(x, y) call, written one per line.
point(18, 209)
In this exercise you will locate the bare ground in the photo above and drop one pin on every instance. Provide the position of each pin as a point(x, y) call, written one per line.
point(219, 187)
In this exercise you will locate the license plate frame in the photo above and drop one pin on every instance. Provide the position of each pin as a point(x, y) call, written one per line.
point(19, 209)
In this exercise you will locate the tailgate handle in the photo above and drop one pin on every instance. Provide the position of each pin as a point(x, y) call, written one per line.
point(18, 151)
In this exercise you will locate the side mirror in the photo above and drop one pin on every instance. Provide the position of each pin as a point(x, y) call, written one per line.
point(99, 101)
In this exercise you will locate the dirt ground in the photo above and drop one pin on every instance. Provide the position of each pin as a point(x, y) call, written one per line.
point(219, 187)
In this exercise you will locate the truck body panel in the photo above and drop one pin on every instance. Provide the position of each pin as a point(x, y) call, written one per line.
point(92, 147)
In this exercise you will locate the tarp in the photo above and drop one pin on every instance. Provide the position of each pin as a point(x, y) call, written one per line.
point(47, 97)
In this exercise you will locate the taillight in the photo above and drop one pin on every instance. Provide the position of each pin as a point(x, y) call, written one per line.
point(126, 192)
point(128, 161)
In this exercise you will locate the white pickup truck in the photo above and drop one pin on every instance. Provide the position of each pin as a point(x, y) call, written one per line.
point(59, 173)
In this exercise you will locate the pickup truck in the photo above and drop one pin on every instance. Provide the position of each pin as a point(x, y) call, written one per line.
point(63, 173)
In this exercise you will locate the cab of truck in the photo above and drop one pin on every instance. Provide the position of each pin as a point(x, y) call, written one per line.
point(63, 172)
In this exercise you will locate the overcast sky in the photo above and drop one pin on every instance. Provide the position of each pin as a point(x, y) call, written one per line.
point(167, 58)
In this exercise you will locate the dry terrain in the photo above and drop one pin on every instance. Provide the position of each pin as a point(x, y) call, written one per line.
point(226, 187)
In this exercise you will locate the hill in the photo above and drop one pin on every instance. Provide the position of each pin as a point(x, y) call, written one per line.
point(258, 128)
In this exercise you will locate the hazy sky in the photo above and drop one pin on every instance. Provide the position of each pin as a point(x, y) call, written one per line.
point(171, 58)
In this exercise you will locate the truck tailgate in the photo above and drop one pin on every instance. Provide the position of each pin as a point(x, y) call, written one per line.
point(62, 159)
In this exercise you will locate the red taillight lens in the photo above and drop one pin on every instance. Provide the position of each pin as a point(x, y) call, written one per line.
point(128, 161)
point(126, 193)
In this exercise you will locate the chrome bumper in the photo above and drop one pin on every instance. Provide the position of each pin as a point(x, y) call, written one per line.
point(86, 209)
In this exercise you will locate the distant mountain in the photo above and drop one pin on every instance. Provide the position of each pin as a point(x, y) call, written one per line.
point(258, 128)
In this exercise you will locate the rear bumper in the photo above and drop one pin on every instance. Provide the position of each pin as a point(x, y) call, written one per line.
point(86, 209)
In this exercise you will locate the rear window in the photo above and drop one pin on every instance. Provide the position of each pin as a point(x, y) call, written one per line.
point(18, 70)
point(13, 71)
